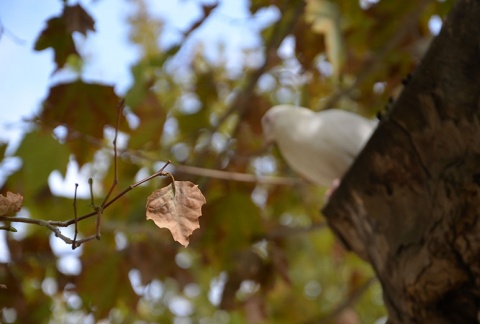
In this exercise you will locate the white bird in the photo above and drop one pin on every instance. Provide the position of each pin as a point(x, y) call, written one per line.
point(320, 146)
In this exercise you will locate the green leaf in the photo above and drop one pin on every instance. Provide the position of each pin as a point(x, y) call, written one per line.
point(85, 109)
point(190, 123)
point(104, 281)
point(206, 88)
point(159, 60)
point(152, 117)
point(41, 154)
point(142, 84)
point(256, 5)
point(3, 147)
point(233, 222)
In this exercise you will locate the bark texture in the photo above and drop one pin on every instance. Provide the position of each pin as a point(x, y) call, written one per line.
point(410, 205)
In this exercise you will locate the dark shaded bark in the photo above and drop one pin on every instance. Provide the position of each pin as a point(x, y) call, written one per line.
point(410, 205)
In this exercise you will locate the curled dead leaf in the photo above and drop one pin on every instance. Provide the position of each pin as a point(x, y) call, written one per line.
point(10, 204)
point(177, 207)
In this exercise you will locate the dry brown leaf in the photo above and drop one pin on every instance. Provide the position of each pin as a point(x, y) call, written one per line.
point(177, 208)
point(10, 204)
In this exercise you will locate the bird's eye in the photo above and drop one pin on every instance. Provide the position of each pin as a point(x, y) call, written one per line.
point(266, 120)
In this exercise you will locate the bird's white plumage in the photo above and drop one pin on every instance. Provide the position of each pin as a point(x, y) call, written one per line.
point(320, 146)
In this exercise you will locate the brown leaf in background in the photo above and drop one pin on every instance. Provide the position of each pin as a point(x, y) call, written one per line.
point(85, 109)
point(58, 33)
point(10, 204)
point(78, 20)
point(177, 207)
point(56, 36)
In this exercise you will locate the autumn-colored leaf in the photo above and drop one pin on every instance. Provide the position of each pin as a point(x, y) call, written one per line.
point(104, 280)
point(85, 109)
point(58, 33)
point(10, 204)
point(190, 123)
point(56, 36)
point(77, 19)
point(233, 222)
point(41, 154)
point(177, 207)
point(146, 254)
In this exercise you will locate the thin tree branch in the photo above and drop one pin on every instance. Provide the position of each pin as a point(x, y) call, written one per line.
point(204, 172)
point(98, 210)
point(13, 37)
point(237, 176)
point(120, 107)
point(74, 245)
point(54, 225)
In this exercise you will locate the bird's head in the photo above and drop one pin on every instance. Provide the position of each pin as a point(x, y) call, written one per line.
point(267, 128)
point(270, 122)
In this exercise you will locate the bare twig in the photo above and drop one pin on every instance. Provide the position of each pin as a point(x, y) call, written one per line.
point(13, 37)
point(8, 228)
point(90, 185)
point(99, 217)
point(156, 174)
point(54, 225)
point(120, 107)
point(74, 245)
point(97, 210)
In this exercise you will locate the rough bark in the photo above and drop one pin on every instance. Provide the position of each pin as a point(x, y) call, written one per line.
point(410, 205)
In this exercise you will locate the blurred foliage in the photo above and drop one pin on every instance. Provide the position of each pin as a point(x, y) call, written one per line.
point(262, 253)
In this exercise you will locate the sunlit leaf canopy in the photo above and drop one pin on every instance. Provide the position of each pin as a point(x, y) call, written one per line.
point(263, 252)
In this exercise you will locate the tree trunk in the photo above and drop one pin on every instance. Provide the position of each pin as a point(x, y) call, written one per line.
point(410, 205)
